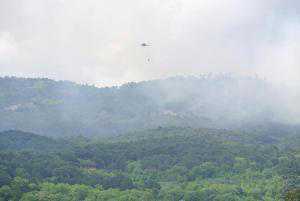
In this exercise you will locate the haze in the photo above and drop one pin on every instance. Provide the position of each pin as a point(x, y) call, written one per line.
point(98, 42)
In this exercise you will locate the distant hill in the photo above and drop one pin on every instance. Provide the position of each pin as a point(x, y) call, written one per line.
point(23, 141)
point(261, 163)
point(62, 108)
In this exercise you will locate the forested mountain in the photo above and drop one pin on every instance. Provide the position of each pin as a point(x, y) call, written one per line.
point(22, 141)
point(163, 164)
point(207, 138)
point(64, 108)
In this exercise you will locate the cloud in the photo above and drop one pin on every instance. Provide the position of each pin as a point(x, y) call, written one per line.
point(279, 60)
point(99, 41)
point(8, 47)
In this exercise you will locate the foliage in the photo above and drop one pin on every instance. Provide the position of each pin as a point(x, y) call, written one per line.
point(64, 108)
point(159, 164)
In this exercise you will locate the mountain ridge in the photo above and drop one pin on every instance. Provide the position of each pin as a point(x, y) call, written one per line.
point(64, 108)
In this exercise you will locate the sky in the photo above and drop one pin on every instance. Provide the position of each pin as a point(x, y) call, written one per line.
point(99, 42)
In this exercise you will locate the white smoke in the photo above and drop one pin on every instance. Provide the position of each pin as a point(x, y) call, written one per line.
point(98, 42)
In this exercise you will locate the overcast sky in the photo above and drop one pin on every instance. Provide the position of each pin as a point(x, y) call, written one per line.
point(98, 42)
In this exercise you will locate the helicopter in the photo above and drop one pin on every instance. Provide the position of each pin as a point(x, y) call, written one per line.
point(145, 44)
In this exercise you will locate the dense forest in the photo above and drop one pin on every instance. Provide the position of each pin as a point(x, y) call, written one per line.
point(150, 100)
point(167, 164)
point(205, 138)
point(62, 108)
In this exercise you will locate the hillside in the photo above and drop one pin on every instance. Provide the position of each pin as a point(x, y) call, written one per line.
point(159, 164)
point(23, 141)
point(64, 108)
